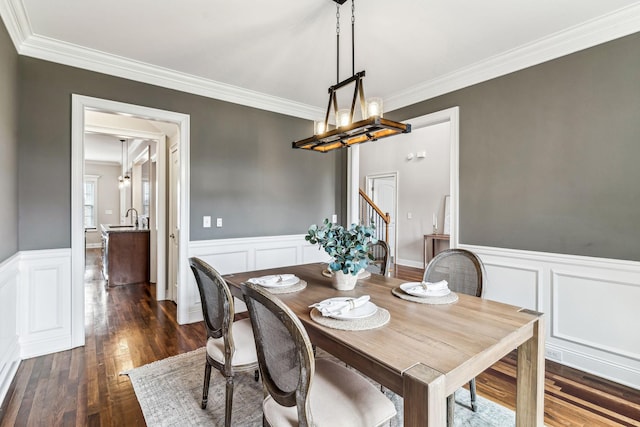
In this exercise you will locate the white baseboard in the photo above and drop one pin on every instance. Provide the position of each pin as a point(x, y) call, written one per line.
point(410, 263)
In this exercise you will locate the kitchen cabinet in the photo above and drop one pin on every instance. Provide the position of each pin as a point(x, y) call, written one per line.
point(125, 254)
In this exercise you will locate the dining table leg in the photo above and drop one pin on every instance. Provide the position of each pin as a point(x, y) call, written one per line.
point(530, 379)
point(425, 399)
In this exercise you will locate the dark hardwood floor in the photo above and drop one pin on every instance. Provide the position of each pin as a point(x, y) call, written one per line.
point(125, 327)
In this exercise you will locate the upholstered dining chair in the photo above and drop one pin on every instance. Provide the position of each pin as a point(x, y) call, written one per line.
point(380, 252)
point(464, 273)
point(302, 390)
point(230, 345)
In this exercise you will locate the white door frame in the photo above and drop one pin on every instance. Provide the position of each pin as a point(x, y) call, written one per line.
point(79, 104)
point(368, 182)
point(451, 115)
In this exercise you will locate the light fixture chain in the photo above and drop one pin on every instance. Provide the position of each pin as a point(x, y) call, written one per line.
point(337, 43)
point(353, 42)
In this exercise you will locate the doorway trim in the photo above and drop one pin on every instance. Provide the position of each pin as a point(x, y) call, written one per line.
point(451, 115)
point(79, 104)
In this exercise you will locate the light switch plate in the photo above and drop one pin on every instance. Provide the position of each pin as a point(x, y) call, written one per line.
point(334, 218)
point(206, 222)
point(218, 222)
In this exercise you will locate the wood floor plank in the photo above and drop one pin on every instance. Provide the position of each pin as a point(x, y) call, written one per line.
point(125, 328)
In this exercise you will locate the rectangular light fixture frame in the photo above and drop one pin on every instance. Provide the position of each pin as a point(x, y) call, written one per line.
point(369, 129)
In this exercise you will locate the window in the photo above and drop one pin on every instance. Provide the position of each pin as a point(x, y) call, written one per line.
point(90, 201)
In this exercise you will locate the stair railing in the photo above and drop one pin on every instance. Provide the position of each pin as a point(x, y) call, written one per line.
point(370, 212)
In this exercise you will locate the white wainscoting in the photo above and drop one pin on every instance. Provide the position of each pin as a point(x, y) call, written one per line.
point(246, 254)
point(590, 306)
point(44, 298)
point(9, 346)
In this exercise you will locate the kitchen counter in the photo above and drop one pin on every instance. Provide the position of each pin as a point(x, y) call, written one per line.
point(125, 254)
point(117, 228)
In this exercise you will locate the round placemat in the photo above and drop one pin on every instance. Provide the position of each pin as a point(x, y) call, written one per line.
point(380, 318)
point(447, 299)
point(288, 289)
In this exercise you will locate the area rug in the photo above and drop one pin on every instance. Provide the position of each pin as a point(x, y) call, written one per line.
point(170, 392)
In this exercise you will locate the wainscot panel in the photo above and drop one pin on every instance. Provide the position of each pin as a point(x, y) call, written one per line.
point(590, 305)
point(9, 346)
point(251, 253)
point(44, 320)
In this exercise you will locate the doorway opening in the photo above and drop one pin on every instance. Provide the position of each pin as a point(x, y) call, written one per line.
point(410, 155)
point(383, 190)
point(83, 109)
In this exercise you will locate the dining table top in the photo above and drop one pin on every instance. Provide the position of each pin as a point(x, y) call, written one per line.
point(453, 339)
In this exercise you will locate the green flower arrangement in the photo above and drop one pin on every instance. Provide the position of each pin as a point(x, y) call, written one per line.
point(348, 247)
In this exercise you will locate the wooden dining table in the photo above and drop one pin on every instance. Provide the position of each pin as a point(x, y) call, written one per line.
point(425, 352)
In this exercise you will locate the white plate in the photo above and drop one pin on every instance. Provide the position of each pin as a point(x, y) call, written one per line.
point(287, 282)
point(415, 289)
point(365, 310)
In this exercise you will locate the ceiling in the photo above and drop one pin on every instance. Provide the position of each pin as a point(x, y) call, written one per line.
point(280, 55)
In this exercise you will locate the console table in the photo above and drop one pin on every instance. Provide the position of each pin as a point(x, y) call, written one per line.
point(430, 243)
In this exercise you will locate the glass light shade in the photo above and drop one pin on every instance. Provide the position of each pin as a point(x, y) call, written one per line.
point(374, 107)
point(318, 127)
point(343, 117)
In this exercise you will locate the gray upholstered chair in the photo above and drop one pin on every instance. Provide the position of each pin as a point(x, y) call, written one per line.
point(301, 390)
point(380, 253)
point(230, 345)
point(465, 273)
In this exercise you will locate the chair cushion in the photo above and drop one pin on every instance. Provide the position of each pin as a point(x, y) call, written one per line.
point(245, 345)
point(339, 397)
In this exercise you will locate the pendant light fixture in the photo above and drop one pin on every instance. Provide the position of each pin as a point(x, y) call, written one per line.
point(371, 127)
point(126, 181)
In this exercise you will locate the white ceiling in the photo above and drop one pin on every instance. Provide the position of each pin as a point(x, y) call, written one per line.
point(280, 54)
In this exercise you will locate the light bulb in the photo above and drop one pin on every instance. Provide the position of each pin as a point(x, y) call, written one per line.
point(318, 127)
point(343, 117)
point(374, 107)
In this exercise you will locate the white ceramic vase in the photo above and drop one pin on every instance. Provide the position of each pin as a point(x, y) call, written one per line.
point(344, 282)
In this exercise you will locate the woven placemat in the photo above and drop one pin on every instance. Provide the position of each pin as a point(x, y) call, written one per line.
point(447, 299)
point(288, 289)
point(380, 318)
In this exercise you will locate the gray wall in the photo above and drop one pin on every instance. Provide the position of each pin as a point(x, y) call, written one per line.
point(549, 156)
point(8, 146)
point(242, 166)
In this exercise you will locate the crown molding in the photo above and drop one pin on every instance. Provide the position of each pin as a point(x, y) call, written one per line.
point(15, 19)
point(76, 56)
point(608, 27)
point(600, 30)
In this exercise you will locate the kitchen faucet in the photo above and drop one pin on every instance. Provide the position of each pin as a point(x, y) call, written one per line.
point(135, 211)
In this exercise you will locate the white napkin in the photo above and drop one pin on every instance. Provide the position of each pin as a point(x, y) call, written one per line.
point(340, 307)
point(274, 280)
point(435, 289)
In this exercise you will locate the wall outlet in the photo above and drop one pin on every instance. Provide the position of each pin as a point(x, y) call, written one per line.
point(219, 222)
point(409, 215)
point(108, 212)
point(334, 218)
point(206, 222)
point(551, 354)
